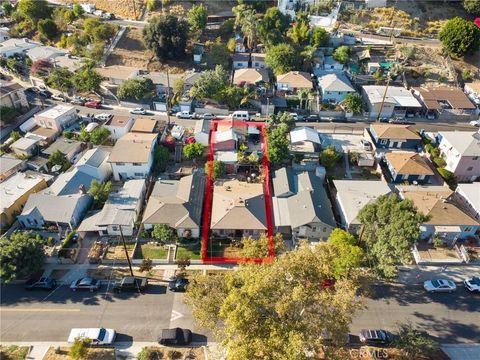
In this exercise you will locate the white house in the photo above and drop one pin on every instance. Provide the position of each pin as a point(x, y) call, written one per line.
point(334, 87)
point(132, 156)
point(45, 52)
point(15, 46)
point(202, 132)
point(461, 152)
point(56, 117)
point(468, 196)
point(119, 125)
point(24, 146)
point(397, 101)
point(94, 162)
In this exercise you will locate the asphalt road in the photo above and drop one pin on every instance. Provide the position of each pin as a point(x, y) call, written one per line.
point(40, 316)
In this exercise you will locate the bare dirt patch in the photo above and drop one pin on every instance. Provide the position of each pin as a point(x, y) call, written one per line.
point(128, 9)
point(92, 354)
point(106, 273)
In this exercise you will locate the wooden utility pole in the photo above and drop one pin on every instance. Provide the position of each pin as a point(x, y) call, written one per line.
point(126, 251)
point(168, 96)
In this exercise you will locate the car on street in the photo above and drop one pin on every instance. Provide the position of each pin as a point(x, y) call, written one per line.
point(86, 283)
point(207, 116)
point(178, 284)
point(102, 117)
point(185, 115)
point(312, 118)
point(130, 283)
point(60, 97)
point(439, 285)
point(475, 123)
point(78, 101)
point(375, 337)
point(32, 90)
point(175, 337)
point(98, 336)
point(44, 283)
point(366, 145)
point(93, 104)
point(297, 117)
point(45, 94)
point(138, 111)
point(473, 284)
point(401, 122)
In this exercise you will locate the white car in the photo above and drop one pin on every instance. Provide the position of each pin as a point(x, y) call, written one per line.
point(185, 115)
point(472, 284)
point(138, 111)
point(439, 285)
point(99, 336)
point(366, 145)
point(475, 123)
point(102, 117)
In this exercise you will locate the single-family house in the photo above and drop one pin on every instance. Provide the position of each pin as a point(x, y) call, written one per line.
point(238, 209)
point(467, 197)
point(116, 74)
point(240, 60)
point(334, 87)
point(68, 147)
point(9, 165)
point(94, 162)
point(56, 117)
point(178, 204)
point(143, 125)
point(301, 205)
point(132, 156)
point(120, 212)
point(45, 52)
point(12, 95)
point(24, 146)
point(72, 63)
point(445, 219)
point(14, 46)
point(392, 136)
point(397, 101)
point(37, 163)
point(472, 89)
point(444, 103)
point(258, 60)
point(305, 141)
point(15, 191)
point(294, 80)
point(352, 195)
point(250, 76)
point(202, 132)
point(408, 166)
point(225, 140)
point(119, 125)
point(461, 152)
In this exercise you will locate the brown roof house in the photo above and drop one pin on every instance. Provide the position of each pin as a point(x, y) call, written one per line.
point(250, 76)
point(443, 103)
point(407, 166)
point(119, 125)
point(445, 219)
point(392, 136)
point(238, 209)
point(178, 204)
point(143, 125)
point(294, 80)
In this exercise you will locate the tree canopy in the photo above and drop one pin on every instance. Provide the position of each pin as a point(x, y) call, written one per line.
point(413, 342)
point(87, 79)
point(281, 58)
point(100, 191)
point(277, 146)
point(20, 256)
point(218, 54)
point(353, 103)
point(460, 37)
point(137, 89)
point(300, 33)
point(210, 84)
point(60, 78)
point(193, 151)
point(197, 17)
point(163, 232)
point(166, 36)
point(273, 26)
point(260, 248)
point(99, 135)
point(330, 156)
point(472, 6)
point(33, 9)
point(390, 227)
point(349, 254)
point(57, 158)
point(47, 28)
point(278, 310)
point(161, 156)
point(342, 54)
point(218, 169)
point(319, 37)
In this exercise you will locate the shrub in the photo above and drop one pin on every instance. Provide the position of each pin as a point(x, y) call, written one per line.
point(146, 265)
point(79, 349)
point(439, 162)
point(66, 244)
point(149, 354)
point(448, 177)
point(174, 354)
point(50, 241)
point(437, 242)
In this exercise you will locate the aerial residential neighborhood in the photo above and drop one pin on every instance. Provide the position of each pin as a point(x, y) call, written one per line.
point(240, 180)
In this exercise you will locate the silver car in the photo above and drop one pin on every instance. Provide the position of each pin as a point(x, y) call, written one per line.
point(439, 285)
point(86, 283)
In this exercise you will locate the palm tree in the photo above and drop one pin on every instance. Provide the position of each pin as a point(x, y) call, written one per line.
point(303, 94)
point(246, 19)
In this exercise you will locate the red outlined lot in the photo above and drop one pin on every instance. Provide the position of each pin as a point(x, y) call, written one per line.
point(207, 212)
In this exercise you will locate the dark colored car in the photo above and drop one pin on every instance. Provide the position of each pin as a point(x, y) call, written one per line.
point(45, 93)
point(375, 337)
point(130, 283)
point(175, 337)
point(178, 284)
point(86, 283)
point(32, 90)
point(312, 118)
point(93, 104)
point(44, 283)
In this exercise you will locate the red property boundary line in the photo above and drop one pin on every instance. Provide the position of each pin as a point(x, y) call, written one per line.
point(207, 213)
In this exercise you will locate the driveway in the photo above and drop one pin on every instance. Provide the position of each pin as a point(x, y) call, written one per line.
point(344, 142)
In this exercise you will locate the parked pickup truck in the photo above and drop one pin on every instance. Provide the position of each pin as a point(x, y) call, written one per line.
point(130, 283)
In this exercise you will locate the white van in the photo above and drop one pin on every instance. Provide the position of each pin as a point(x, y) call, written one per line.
point(240, 115)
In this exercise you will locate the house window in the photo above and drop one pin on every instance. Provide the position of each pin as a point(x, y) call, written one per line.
point(405, 176)
point(256, 64)
point(383, 141)
point(475, 158)
point(138, 174)
point(324, 229)
point(470, 168)
point(114, 227)
point(314, 229)
point(137, 164)
point(120, 164)
point(467, 229)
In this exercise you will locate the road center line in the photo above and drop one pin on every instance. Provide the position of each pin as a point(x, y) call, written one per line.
point(37, 310)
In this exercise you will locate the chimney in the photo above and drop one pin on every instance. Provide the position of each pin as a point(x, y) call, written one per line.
point(82, 189)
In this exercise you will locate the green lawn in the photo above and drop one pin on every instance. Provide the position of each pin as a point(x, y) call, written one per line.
point(224, 250)
point(193, 253)
point(13, 352)
point(153, 251)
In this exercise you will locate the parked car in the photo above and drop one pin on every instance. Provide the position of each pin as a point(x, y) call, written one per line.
point(130, 283)
point(185, 115)
point(312, 118)
point(384, 119)
point(475, 123)
point(77, 101)
point(86, 283)
point(103, 117)
point(93, 104)
point(44, 283)
point(60, 97)
point(175, 337)
point(366, 145)
point(472, 284)
point(401, 122)
point(178, 284)
point(32, 90)
point(375, 337)
point(207, 116)
point(138, 111)
point(297, 117)
point(439, 285)
point(99, 336)
point(45, 93)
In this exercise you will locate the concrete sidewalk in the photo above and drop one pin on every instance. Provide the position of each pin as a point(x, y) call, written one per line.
point(417, 274)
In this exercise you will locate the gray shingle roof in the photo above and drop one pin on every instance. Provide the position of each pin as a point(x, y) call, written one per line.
point(53, 208)
point(283, 182)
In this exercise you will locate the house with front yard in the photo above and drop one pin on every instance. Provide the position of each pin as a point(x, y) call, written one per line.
point(240, 60)
point(258, 61)
point(24, 146)
point(132, 156)
point(238, 209)
point(178, 204)
point(9, 165)
point(445, 103)
point(301, 206)
point(201, 132)
point(397, 102)
point(116, 74)
point(390, 136)
point(407, 166)
point(468, 197)
point(352, 195)
point(334, 87)
point(293, 81)
point(69, 148)
point(121, 210)
point(445, 219)
point(243, 77)
point(305, 141)
point(56, 117)
point(12, 95)
point(461, 152)
point(119, 125)
point(14, 193)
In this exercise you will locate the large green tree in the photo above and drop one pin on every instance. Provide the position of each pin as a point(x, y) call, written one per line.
point(218, 54)
point(100, 191)
point(390, 226)
point(299, 33)
point(342, 54)
point(273, 26)
point(277, 146)
point(47, 28)
point(246, 20)
point(349, 254)
point(330, 156)
point(137, 89)
point(60, 78)
point(20, 255)
point(282, 58)
point(414, 343)
point(33, 9)
point(57, 158)
point(460, 37)
point(166, 36)
point(217, 168)
point(472, 6)
point(99, 135)
point(87, 79)
point(319, 37)
point(210, 84)
point(275, 311)
point(197, 17)
point(163, 232)
point(260, 248)
point(285, 120)
point(353, 103)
